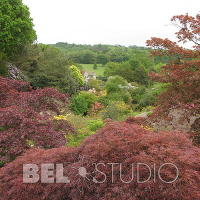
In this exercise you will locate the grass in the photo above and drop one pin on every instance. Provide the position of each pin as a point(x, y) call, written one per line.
point(85, 126)
point(75, 140)
point(89, 68)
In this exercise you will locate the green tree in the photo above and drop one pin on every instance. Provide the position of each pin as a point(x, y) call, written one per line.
point(97, 84)
point(132, 71)
point(117, 89)
point(16, 27)
point(47, 66)
point(82, 102)
point(76, 74)
point(115, 84)
point(87, 57)
point(102, 59)
point(95, 66)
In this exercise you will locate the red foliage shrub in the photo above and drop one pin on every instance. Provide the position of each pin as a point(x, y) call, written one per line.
point(96, 107)
point(182, 72)
point(119, 142)
point(24, 118)
point(136, 120)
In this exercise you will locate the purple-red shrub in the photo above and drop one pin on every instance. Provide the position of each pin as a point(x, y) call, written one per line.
point(25, 118)
point(136, 120)
point(119, 142)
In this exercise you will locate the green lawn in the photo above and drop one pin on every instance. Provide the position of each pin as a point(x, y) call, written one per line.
point(89, 68)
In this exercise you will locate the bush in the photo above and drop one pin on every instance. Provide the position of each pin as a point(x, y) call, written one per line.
point(120, 96)
point(143, 97)
point(116, 110)
point(25, 116)
point(95, 124)
point(149, 98)
point(82, 102)
point(1, 163)
point(115, 84)
point(119, 142)
point(137, 93)
point(104, 100)
point(117, 89)
point(97, 84)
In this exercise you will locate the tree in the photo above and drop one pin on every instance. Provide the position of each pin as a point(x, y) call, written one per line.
point(82, 102)
point(97, 84)
point(115, 84)
point(132, 71)
point(47, 66)
point(87, 57)
point(182, 71)
point(117, 89)
point(102, 59)
point(16, 27)
point(76, 74)
point(95, 66)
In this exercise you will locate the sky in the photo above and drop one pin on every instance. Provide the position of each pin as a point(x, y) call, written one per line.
point(122, 22)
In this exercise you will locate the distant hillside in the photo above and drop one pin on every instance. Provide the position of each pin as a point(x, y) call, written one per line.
point(100, 54)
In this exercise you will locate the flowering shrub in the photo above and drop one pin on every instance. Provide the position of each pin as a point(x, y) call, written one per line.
point(119, 142)
point(25, 116)
point(60, 117)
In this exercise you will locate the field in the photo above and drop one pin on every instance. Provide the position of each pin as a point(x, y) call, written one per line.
point(89, 68)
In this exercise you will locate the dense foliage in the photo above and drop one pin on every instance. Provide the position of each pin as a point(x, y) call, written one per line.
point(76, 74)
point(182, 72)
point(133, 70)
point(38, 123)
point(25, 118)
point(117, 89)
point(82, 102)
point(100, 53)
point(116, 110)
point(122, 142)
point(3, 68)
point(46, 66)
point(16, 27)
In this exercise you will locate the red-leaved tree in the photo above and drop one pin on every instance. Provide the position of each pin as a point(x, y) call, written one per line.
point(25, 118)
point(125, 143)
point(182, 72)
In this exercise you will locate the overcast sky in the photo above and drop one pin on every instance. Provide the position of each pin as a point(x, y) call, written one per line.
point(124, 22)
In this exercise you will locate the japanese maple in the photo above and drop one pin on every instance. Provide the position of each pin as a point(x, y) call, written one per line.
point(182, 72)
point(119, 142)
point(26, 120)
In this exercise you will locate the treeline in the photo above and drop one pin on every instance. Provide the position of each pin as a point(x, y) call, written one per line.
point(100, 53)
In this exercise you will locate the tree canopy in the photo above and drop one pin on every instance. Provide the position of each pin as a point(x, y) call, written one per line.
point(182, 71)
point(16, 27)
